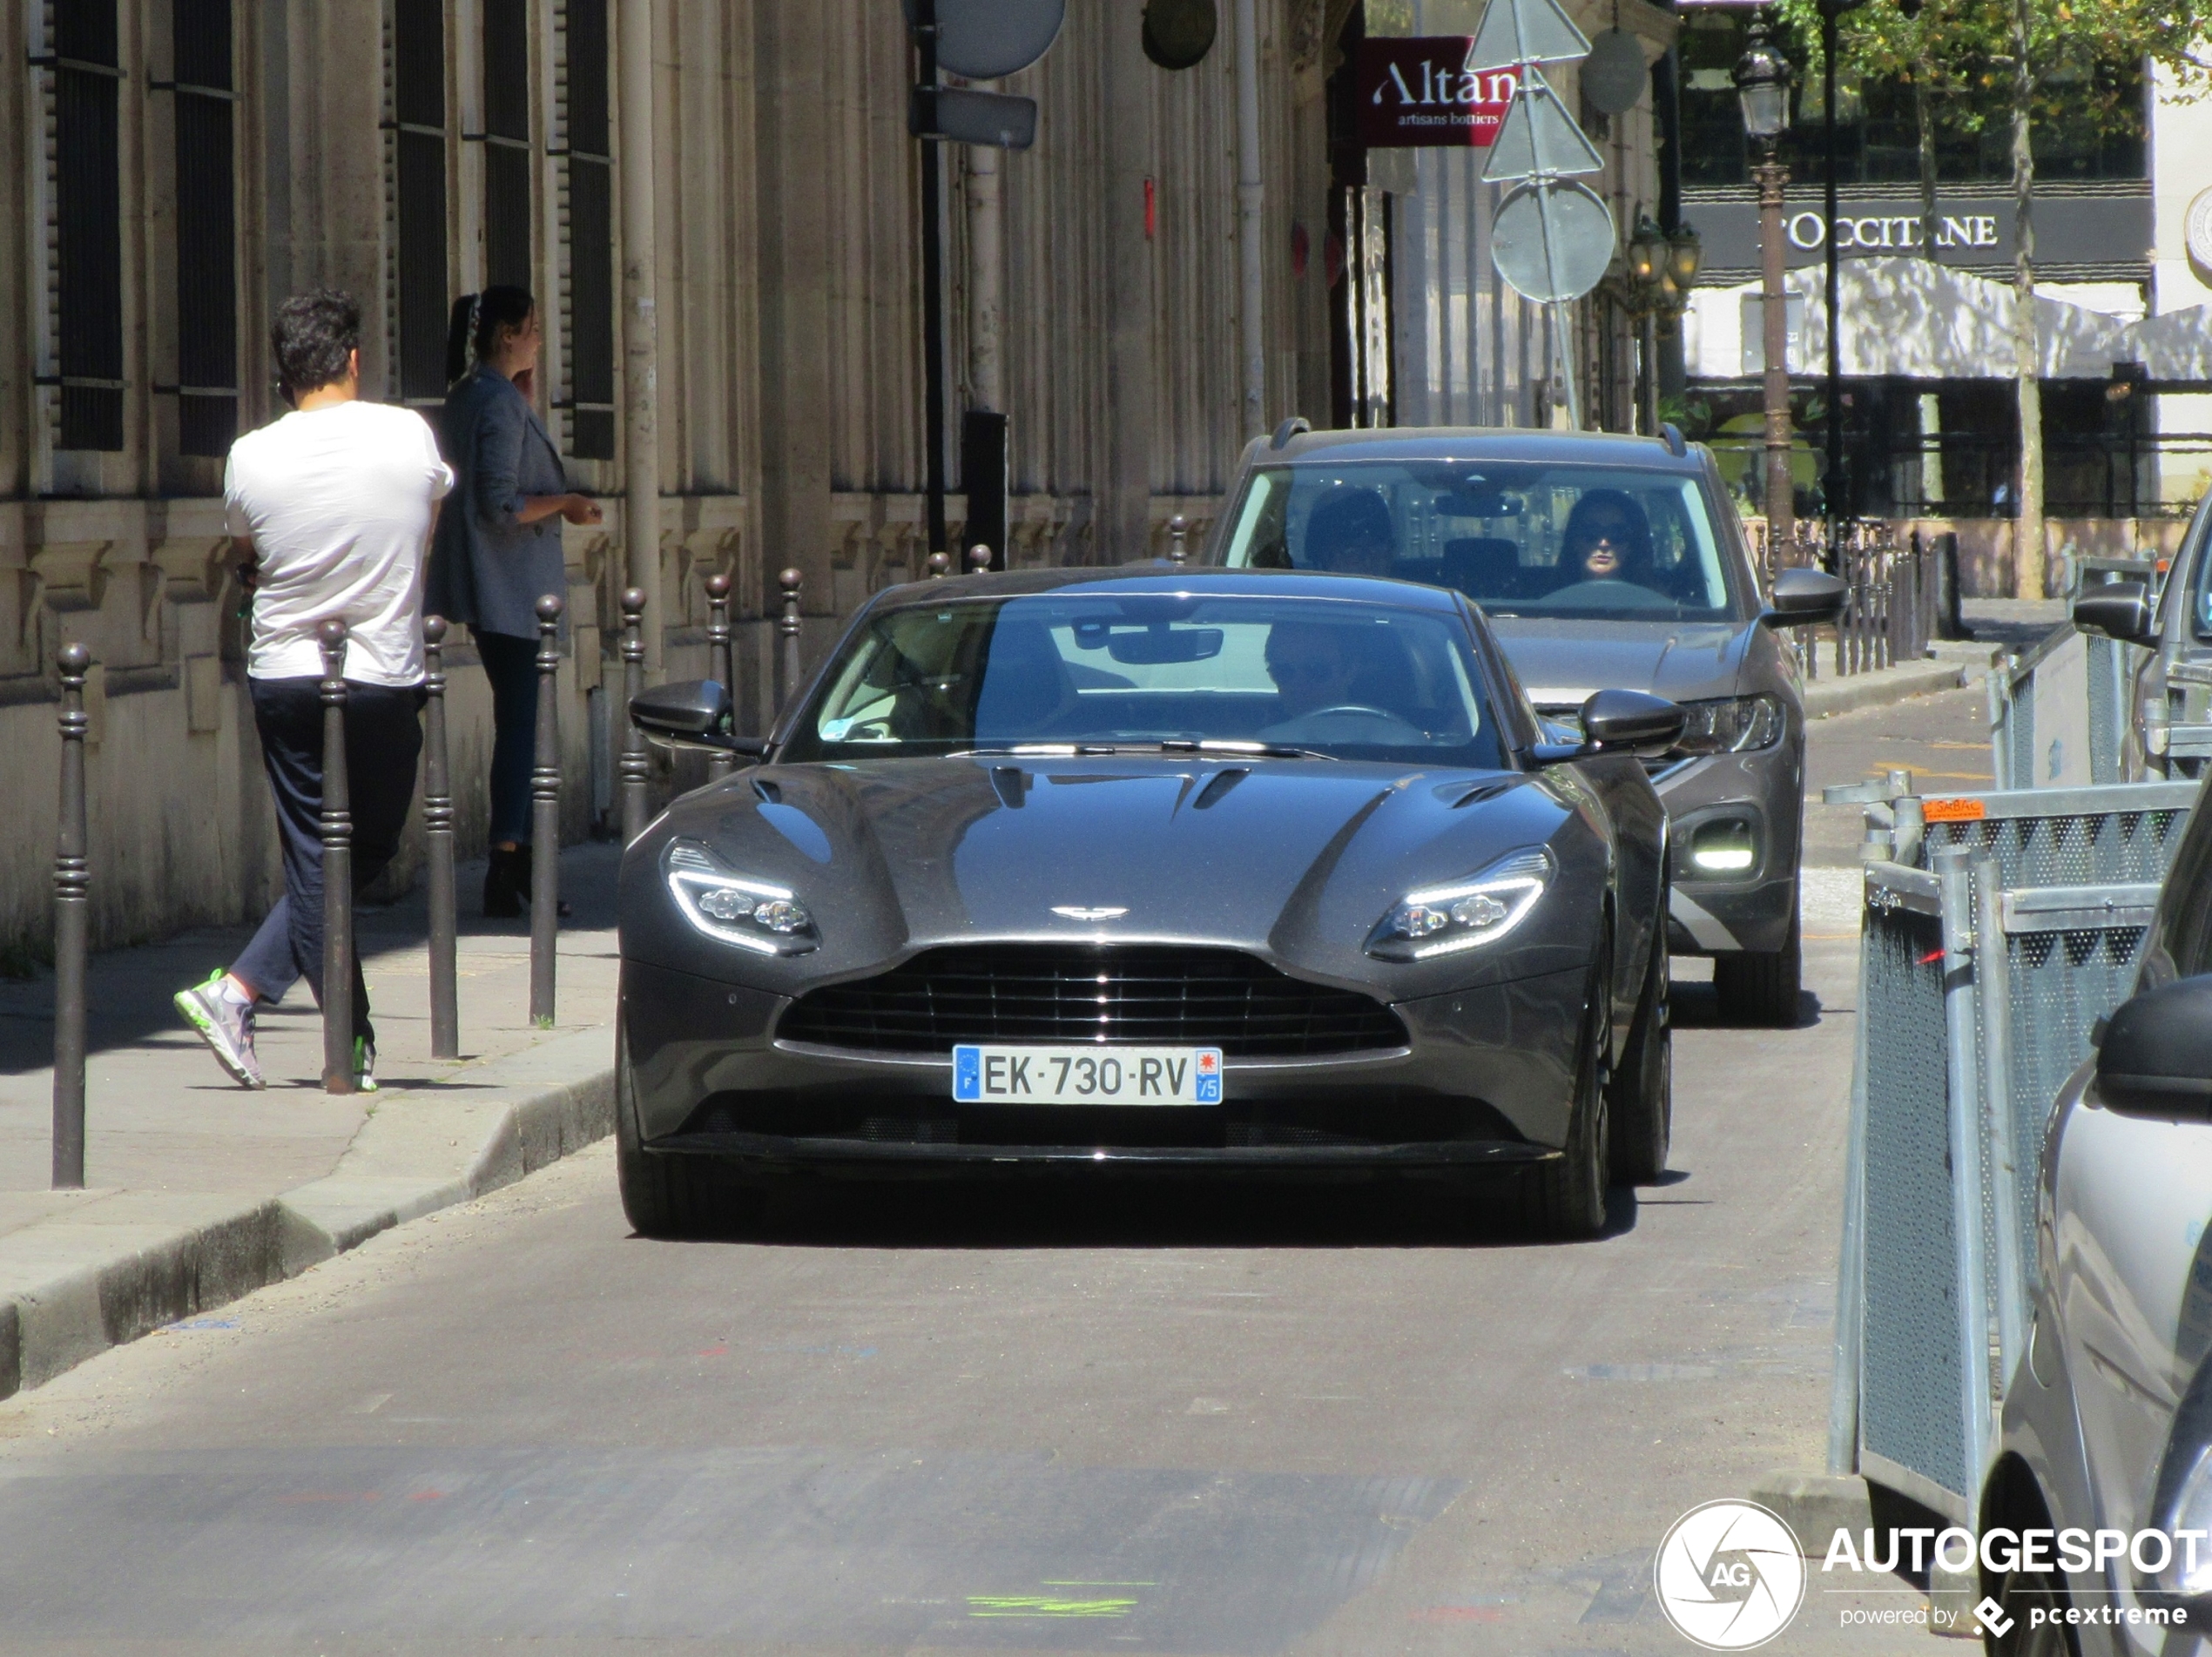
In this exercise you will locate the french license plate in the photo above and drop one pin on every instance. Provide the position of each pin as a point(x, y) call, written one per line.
point(1086, 1075)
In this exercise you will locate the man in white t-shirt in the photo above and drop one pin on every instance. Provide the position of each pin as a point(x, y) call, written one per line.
point(332, 506)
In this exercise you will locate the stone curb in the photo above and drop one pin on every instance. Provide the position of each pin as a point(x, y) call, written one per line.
point(1825, 697)
point(110, 1267)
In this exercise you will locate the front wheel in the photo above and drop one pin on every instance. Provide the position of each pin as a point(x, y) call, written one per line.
point(1642, 1105)
point(1564, 1195)
point(1761, 986)
point(669, 1198)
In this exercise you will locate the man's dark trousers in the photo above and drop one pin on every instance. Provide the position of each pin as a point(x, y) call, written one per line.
point(383, 740)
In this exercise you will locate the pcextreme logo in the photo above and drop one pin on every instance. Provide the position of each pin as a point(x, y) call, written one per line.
point(1729, 1575)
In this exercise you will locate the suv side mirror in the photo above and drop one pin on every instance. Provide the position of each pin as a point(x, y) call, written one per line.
point(1804, 598)
point(1615, 719)
point(691, 713)
point(2119, 609)
point(2156, 1057)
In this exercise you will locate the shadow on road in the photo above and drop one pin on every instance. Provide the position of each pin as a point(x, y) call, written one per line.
point(1696, 1007)
point(1047, 1211)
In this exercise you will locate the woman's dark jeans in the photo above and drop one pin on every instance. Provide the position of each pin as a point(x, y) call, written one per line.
point(511, 665)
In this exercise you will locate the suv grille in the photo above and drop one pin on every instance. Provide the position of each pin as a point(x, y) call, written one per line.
point(1155, 994)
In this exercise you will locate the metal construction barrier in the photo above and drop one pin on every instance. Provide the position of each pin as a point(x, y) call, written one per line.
point(2059, 711)
point(1999, 928)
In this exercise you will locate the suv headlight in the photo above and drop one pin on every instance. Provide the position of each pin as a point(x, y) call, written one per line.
point(1441, 920)
point(1731, 726)
point(731, 909)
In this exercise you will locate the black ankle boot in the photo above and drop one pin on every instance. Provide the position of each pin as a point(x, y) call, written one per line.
point(506, 882)
point(524, 884)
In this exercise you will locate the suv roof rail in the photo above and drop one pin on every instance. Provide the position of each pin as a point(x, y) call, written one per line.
point(1289, 430)
point(1672, 433)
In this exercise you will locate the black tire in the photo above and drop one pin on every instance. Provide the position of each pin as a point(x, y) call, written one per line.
point(1641, 1108)
point(1760, 986)
point(1564, 1195)
point(671, 1197)
point(2020, 1594)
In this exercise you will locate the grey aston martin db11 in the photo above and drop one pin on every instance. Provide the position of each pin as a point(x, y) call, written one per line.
point(1152, 868)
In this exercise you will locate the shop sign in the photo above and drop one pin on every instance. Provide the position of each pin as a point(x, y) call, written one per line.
point(1418, 93)
point(1892, 232)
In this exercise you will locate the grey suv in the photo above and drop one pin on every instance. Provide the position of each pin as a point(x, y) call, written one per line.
point(2170, 726)
point(1603, 562)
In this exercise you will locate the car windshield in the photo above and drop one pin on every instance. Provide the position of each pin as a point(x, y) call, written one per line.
point(1293, 676)
point(1519, 539)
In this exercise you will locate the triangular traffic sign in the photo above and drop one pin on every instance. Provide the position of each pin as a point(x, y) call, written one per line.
point(1539, 136)
point(1513, 32)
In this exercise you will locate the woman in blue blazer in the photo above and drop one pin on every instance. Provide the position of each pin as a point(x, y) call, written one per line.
point(497, 549)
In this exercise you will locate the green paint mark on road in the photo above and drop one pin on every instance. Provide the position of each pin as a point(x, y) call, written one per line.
point(1046, 1605)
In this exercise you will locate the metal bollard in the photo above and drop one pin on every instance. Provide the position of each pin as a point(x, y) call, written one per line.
point(545, 815)
point(437, 834)
point(720, 662)
point(337, 824)
point(1178, 539)
point(72, 895)
point(941, 565)
point(636, 758)
point(979, 560)
point(787, 626)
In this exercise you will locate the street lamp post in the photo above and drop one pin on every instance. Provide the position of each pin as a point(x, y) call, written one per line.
point(1762, 85)
point(1655, 289)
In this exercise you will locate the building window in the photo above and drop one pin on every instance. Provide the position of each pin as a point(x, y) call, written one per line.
point(207, 229)
point(419, 105)
point(507, 143)
point(590, 240)
point(87, 81)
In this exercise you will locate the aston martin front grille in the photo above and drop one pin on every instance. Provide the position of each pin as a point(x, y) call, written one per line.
point(1145, 994)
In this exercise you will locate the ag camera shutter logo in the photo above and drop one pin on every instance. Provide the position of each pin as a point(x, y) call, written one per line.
point(1728, 1575)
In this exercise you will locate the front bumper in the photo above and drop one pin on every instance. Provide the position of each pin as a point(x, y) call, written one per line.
point(1751, 910)
point(1486, 1076)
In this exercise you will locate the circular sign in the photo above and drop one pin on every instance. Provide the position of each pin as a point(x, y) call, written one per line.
point(1614, 75)
point(1728, 1575)
point(1178, 33)
point(1552, 241)
point(984, 39)
point(2196, 229)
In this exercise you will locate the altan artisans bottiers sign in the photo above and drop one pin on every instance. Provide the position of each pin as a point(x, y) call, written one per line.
point(1418, 92)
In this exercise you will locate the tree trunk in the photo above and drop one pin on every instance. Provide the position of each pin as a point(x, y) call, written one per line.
point(2027, 532)
point(1923, 116)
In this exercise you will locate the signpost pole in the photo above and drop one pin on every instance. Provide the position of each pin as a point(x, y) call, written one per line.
point(933, 281)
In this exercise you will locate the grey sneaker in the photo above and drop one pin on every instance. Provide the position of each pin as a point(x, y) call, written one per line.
point(364, 1065)
point(225, 1027)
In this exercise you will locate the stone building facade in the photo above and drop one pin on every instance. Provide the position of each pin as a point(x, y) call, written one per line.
point(174, 168)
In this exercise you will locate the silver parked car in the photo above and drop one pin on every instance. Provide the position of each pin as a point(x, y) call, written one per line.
point(1602, 563)
point(2170, 726)
point(2108, 1423)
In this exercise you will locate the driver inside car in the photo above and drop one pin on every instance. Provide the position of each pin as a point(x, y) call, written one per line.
point(1351, 533)
point(1608, 539)
point(1311, 668)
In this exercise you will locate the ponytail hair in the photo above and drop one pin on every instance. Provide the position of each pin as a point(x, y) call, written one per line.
point(476, 323)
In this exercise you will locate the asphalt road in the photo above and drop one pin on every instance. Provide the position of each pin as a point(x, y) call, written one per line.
point(1173, 1419)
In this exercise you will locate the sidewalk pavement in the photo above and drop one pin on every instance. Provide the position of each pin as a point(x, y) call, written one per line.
point(1998, 625)
point(199, 1191)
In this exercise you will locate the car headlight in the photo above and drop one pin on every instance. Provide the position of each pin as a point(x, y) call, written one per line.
point(1441, 920)
point(731, 909)
point(1731, 726)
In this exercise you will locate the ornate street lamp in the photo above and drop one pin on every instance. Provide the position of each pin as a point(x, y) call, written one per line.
point(1762, 85)
point(1652, 287)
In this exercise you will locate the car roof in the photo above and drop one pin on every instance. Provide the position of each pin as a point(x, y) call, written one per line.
point(1157, 576)
point(1479, 443)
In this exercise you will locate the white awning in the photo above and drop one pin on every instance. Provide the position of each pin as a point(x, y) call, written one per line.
point(1915, 320)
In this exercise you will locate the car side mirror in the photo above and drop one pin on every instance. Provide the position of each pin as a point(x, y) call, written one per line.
point(2119, 609)
point(1617, 719)
point(2155, 1059)
point(1804, 598)
point(691, 713)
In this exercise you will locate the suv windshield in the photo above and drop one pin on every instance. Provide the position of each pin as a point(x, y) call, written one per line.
point(1295, 676)
point(1519, 539)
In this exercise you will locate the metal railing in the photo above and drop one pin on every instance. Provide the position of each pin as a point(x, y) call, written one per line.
point(1997, 929)
point(1896, 593)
